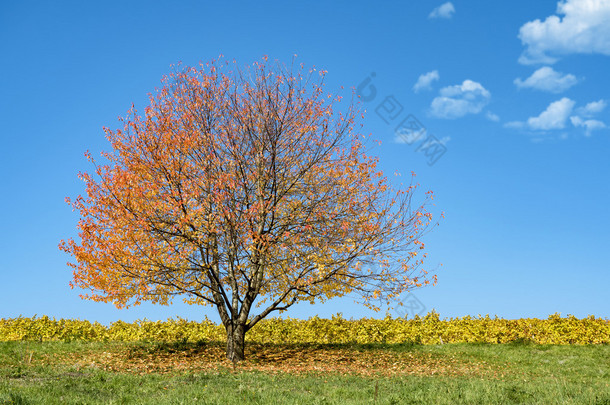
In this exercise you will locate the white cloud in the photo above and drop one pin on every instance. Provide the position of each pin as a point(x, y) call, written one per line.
point(588, 125)
point(584, 28)
point(492, 117)
point(425, 81)
point(592, 108)
point(557, 113)
point(456, 101)
point(445, 10)
point(410, 139)
point(583, 119)
point(554, 117)
point(547, 79)
point(515, 125)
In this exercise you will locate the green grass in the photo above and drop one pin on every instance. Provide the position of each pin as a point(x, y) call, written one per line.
point(49, 373)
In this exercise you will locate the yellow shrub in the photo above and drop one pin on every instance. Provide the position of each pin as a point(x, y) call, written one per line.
point(429, 329)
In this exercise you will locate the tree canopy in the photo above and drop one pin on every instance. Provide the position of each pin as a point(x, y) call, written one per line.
point(246, 190)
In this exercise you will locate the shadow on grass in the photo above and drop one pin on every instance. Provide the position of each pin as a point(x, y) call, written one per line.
point(186, 347)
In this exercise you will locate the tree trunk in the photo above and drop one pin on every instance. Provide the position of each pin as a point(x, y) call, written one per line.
point(236, 342)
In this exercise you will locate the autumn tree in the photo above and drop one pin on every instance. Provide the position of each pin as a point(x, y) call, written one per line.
point(246, 190)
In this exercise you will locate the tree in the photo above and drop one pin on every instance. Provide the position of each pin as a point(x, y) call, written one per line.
point(244, 189)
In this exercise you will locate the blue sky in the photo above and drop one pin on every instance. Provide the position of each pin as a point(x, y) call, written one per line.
point(512, 95)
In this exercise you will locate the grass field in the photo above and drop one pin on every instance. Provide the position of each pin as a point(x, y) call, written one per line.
point(196, 373)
